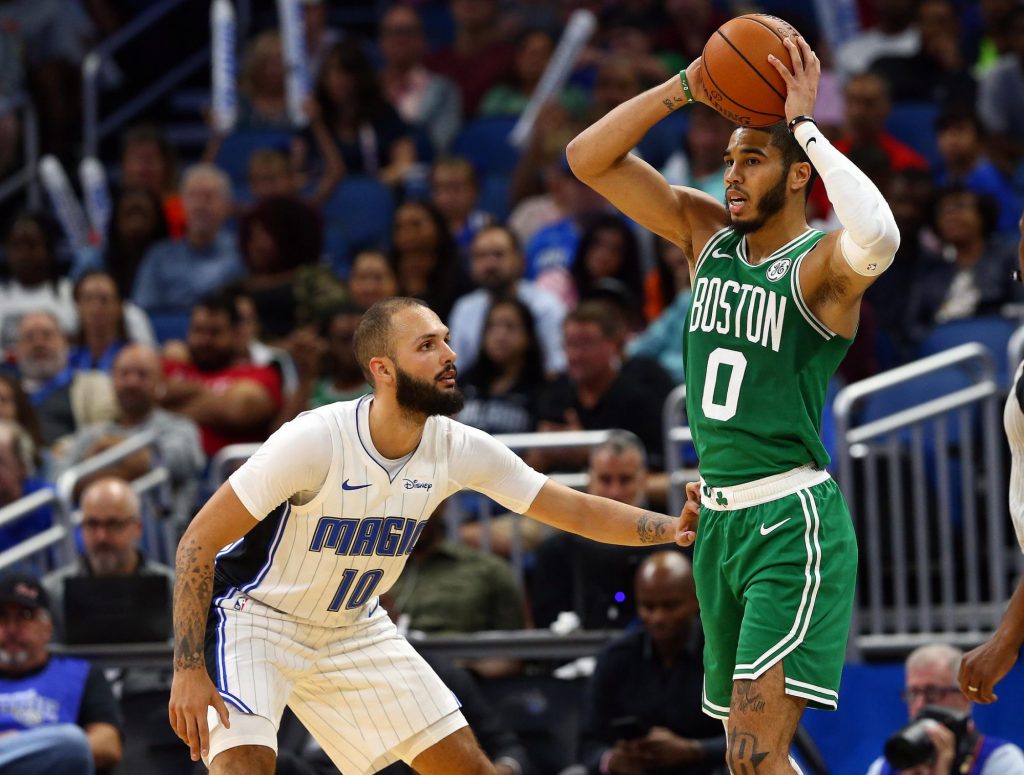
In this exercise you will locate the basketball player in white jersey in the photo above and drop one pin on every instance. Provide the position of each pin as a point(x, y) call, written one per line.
point(984, 667)
point(278, 576)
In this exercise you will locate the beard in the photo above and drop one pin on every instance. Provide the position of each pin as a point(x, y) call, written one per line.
point(42, 369)
point(418, 395)
point(770, 204)
point(106, 561)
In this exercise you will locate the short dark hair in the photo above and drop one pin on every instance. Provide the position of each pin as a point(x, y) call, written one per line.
point(598, 313)
point(224, 300)
point(986, 204)
point(781, 138)
point(373, 335)
point(516, 244)
point(958, 115)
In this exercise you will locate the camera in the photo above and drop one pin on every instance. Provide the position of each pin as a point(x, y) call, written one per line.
point(911, 746)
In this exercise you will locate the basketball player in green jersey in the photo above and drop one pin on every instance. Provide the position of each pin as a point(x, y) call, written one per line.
point(775, 306)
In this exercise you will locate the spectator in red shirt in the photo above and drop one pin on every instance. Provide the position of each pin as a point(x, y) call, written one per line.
point(232, 401)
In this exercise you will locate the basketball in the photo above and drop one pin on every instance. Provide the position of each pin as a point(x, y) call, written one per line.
point(740, 82)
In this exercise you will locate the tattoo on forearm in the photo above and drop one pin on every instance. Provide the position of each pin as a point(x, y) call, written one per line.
point(193, 587)
point(673, 103)
point(654, 529)
point(743, 756)
point(747, 697)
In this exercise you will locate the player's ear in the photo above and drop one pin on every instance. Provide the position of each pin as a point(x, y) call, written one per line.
point(382, 369)
point(800, 175)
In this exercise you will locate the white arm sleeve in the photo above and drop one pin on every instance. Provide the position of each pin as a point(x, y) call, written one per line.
point(870, 237)
point(292, 463)
point(479, 462)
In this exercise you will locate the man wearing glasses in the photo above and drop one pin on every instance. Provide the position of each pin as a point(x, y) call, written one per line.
point(111, 532)
point(931, 679)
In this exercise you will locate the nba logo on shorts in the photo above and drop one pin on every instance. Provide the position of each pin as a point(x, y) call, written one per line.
point(778, 270)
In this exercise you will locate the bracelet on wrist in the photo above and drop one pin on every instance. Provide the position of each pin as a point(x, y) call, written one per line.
point(686, 86)
point(797, 120)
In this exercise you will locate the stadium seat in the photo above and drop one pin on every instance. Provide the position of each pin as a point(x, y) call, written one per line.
point(993, 332)
point(914, 124)
point(358, 216)
point(913, 393)
point(234, 153)
point(664, 138)
point(494, 196)
point(169, 325)
point(484, 143)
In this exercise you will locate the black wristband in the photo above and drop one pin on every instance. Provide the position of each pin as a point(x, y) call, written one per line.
point(799, 120)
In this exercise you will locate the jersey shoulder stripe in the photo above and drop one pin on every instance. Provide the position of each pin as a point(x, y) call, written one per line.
point(801, 304)
point(716, 239)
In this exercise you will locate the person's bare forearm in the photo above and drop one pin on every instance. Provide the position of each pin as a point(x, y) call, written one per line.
point(598, 147)
point(193, 589)
point(1011, 628)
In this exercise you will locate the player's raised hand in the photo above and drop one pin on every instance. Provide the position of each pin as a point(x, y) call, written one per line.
point(802, 80)
point(695, 80)
point(686, 532)
point(192, 693)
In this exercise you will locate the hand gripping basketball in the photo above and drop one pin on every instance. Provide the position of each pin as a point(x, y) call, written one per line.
point(802, 80)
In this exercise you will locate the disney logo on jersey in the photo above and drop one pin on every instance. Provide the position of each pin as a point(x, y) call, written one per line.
point(416, 484)
point(778, 269)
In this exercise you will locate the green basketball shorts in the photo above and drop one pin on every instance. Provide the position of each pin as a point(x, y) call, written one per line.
point(775, 564)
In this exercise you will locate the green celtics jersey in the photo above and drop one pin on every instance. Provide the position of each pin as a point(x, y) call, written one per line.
point(757, 362)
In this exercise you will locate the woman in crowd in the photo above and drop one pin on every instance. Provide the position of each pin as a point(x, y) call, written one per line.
point(148, 161)
point(262, 103)
point(281, 241)
point(105, 323)
point(371, 279)
point(15, 406)
point(424, 256)
point(607, 250)
point(371, 137)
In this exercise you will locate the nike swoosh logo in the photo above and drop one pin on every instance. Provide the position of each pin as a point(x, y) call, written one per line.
point(346, 486)
point(766, 530)
point(812, 140)
point(716, 253)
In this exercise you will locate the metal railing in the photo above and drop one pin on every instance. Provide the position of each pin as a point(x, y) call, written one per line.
point(41, 543)
point(677, 436)
point(25, 177)
point(925, 487)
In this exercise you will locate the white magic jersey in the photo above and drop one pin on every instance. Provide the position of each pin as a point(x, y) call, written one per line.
point(336, 527)
point(1013, 423)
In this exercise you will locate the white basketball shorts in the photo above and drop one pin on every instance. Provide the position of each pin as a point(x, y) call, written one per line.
point(361, 690)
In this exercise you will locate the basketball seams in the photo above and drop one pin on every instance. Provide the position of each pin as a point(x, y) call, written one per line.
point(749, 110)
point(750, 64)
point(775, 32)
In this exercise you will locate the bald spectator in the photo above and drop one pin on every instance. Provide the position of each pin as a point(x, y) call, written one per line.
point(18, 479)
point(57, 714)
point(111, 532)
point(138, 381)
point(643, 715)
point(175, 274)
point(231, 400)
point(590, 578)
point(496, 267)
point(64, 400)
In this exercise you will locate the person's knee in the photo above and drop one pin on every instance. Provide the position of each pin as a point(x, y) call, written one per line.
point(244, 760)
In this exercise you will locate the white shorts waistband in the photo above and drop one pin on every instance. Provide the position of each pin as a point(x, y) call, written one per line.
point(742, 496)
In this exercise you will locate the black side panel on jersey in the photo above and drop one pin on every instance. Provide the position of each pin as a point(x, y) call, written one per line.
point(247, 559)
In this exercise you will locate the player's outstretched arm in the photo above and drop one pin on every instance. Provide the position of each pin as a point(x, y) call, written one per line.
point(600, 157)
point(985, 666)
point(601, 519)
point(220, 522)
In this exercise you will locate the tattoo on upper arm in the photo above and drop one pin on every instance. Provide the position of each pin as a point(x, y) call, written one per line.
point(193, 587)
point(653, 528)
point(743, 756)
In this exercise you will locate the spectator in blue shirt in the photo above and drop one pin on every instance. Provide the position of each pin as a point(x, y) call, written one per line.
point(175, 274)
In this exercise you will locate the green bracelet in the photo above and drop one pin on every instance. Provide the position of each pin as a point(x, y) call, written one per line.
point(686, 86)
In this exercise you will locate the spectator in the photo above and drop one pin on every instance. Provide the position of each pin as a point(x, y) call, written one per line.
point(1001, 96)
point(477, 58)
point(654, 677)
point(320, 38)
point(496, 266)
point(422, 98)
point(105, 323)
point(174, 274)
point(262, 104)
point(274, 173)
point(138, 381)
point(111, 534)
point(510, 97)
point(35, 284)
point(961, 140)
point(660, 340)
point(608, 250)
point(969, 277)
point(595, 393)
point(592, 579)
point(895, 35)
point(281, 240)
point(687, 27)
point(698, 163)
point(931, 680)
point(230, 400)
point(12, 85)
point(629, 34)
point(424, 256)
point(64, 400)
point(17, 479)
point(137, 224)
point(57, 714)
point(371, 279)
point(148, 161)
point(454, 190)
point(15, 407)
point(503, 387)
point(253, 348)
point(369, 134)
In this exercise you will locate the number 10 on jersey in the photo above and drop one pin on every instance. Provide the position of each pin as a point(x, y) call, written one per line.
point(355, 592)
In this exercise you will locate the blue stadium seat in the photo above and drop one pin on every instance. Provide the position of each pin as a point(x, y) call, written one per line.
point(234, 153)
point(358, 216)
point(494, 196)
point(993, 332)
point(914, 124)
point(664, 138)
point(915, 392)
point(169, 325)
point(484, 142)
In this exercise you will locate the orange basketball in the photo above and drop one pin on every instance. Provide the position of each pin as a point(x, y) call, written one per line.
point(741, 83)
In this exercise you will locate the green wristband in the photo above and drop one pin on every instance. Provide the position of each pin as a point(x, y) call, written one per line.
point(686, 86)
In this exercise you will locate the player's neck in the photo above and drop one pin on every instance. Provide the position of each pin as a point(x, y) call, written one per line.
point(394, 431)
point(776, 232)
